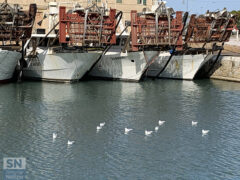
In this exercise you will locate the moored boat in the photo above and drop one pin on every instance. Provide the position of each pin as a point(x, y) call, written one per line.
point(60, 65)
point(68, 55)
point(15, 30)
point(179, 66)
point(122, 65)
point(203, 43)
point(131, 57)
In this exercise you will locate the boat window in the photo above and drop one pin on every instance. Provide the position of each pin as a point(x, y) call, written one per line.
point(143, 2)
point(40, 31)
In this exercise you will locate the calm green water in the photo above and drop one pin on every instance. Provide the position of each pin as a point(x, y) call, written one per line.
point(31, 111)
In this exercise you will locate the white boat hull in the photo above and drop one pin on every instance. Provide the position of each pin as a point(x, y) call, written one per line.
point(129, 66)
point(65, 67)
point(8, 62)
point(179, 67)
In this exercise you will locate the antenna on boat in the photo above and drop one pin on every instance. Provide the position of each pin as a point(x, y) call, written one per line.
point(183, 2)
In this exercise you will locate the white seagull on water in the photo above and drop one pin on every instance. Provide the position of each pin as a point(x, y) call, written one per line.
point(161, 122)
point(102, 124)
point(99, 127)
point(156, 128)
point(204, 132)
point(194, 123)
point(54, 135)
point(127, 130)
point(147, 133)
point(70, 142)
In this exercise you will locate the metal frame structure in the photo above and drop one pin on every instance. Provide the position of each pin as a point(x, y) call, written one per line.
point(89, 27)
point(211, 27)
point(15, 25)
point(156, 29)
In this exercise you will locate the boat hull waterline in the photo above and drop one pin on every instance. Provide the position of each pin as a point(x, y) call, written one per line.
point(179, 66)
point(62, 67)
point(129, 66)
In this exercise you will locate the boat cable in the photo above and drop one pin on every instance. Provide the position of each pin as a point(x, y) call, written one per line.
point(48, 34)
point(172, 51)
point(44, 38)
point(148, 63)
point(107, 47)
point(215, 61)
point(23, 62)
point(120, 13)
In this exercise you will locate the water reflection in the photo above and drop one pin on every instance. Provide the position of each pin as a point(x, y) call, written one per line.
point(226, 85)
point(30, 112)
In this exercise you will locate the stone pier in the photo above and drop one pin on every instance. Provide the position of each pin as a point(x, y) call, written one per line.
point(226, 68)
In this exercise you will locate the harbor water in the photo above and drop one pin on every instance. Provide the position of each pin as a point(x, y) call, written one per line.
point(30, 112)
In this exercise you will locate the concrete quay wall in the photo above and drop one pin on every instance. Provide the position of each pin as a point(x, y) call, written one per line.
point(226, 68)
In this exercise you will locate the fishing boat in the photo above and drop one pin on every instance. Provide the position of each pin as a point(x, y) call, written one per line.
point(202, 45)
point(68, 53)
point(177, 66)
point(120, 64)
point(15, 30)
point(130, 58)
point(163, 44)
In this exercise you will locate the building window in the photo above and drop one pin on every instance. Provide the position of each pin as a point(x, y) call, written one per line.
point(143, 2)
point(119, 1)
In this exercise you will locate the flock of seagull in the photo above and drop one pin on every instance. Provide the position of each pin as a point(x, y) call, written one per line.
point(127, 130)
point(204, 132)
point(54, 136)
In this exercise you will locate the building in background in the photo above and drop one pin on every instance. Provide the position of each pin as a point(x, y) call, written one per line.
point(42, 20)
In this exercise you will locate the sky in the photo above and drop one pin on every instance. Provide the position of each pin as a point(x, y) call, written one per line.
point(201, 6)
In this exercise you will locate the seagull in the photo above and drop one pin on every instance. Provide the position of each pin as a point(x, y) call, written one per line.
point(161, 122)
point(54, 135)
point(204, 132)
point(127, 130)
point(70, 142)
point(147, 133)
point(156, 128)
point(99, 127)
point(194, 123)
point(102, 124)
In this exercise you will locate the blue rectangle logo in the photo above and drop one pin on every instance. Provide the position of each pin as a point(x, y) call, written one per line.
point(14, 168)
